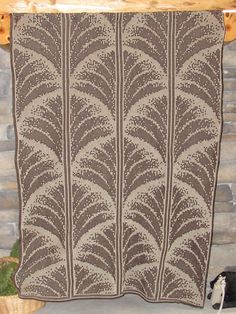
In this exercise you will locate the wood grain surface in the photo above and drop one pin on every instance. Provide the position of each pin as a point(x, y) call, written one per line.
point(45, 6)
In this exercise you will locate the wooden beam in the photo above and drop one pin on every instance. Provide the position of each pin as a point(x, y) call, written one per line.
point(48, 6)
point(75, 6)
point(4, 29)
point(230, 26)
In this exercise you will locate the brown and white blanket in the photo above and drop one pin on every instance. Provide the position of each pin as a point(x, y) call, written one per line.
point(118, 122)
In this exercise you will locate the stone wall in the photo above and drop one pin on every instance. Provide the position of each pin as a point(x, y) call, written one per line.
point(9, 205)
point(223, 252)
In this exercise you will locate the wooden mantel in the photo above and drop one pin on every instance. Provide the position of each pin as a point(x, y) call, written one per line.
point(72, 6)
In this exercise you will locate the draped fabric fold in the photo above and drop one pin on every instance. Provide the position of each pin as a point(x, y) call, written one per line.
point(118, 122)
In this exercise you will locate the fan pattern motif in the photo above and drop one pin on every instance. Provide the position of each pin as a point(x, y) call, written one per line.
point(118, 123)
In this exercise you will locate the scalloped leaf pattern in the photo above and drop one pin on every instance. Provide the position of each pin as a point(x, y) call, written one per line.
point(118, 123)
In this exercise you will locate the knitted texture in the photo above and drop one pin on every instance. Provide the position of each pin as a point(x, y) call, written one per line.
point(118, 123)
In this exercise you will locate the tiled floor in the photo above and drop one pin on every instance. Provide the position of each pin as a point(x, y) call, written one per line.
point(129, 304)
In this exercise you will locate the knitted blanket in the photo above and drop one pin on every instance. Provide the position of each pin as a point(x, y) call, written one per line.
point(118, 122)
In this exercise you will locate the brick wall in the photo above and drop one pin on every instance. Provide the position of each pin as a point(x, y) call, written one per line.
point(223, 251)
